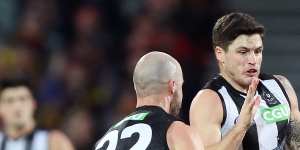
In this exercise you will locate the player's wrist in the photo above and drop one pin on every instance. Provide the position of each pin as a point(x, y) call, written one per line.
point(241, 129)
point(242, 126)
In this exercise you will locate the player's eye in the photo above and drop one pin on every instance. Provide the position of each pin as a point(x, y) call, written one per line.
point(257, 51)
point(243, 52)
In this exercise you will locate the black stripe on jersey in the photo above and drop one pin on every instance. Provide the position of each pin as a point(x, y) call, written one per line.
point(250, 141)
point(224, 109)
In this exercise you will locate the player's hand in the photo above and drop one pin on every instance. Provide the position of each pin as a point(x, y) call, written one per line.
point(249, 107)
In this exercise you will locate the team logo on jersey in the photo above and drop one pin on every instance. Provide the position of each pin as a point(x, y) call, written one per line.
point(275, 114)
point(269, 98)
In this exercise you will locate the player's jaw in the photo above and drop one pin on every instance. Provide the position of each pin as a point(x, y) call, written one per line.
point(175, 103)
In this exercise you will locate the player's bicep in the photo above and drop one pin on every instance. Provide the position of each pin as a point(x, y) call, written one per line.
point(206, 114)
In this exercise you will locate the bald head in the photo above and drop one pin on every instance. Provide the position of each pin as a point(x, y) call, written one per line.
point(153, 72)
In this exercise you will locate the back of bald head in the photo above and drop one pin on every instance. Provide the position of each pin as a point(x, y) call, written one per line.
point(153, 72)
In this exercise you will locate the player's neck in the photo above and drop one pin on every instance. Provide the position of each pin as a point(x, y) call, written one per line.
point(15, 132)
point(157, 100)
point(234, 84)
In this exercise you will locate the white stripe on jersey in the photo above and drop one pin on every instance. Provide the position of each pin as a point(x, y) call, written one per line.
point(232, 111)
point(267, 133)
point(39, 142)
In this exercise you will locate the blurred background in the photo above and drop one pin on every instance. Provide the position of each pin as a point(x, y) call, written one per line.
point(80, 54)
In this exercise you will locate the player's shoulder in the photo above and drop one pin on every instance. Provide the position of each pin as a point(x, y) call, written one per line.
point(155, 113)
point(58, 140)
point(208, 101)
point(207, 97)
point(56, 135)
point(179, 130)
point(154, 116)
point(209, 91)
point(279, 77)
point(215, 83)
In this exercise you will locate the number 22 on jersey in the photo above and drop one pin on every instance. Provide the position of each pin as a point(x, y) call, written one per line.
point(145, 136)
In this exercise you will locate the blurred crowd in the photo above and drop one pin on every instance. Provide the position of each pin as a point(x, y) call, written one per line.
point(80, 54)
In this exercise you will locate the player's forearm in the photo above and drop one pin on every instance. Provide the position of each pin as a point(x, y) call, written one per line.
point(231, 141)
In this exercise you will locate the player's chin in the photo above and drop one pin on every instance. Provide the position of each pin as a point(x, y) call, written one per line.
point(250, 77)
point(247, 81)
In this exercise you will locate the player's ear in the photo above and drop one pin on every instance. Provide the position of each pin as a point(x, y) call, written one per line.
point(171, 87)
point(219, 52)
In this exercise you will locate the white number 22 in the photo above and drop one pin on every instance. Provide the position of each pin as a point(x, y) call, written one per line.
point(144, 131)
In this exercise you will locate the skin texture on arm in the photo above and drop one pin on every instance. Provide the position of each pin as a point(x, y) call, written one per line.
point(182, 137)
point(206, 115)
point(293, 140)
point(295, 114)
point(59, 141)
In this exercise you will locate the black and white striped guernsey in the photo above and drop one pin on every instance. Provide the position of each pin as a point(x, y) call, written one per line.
point(37, 140)
point(271, 120)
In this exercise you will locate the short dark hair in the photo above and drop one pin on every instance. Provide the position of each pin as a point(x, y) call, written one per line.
point(230, 26)
point(14, 82)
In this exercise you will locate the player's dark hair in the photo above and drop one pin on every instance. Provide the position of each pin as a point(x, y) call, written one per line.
point(14, 82)
point(230, 26)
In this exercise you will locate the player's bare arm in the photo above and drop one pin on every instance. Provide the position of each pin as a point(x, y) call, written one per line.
point(206, 115)
point(295, 114)
point(294, 133)
point(208, 126)
point(181, 137)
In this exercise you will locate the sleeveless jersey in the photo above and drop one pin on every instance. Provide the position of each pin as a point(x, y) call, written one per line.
point(37, 140)
point(144, 129)
point(271, 122)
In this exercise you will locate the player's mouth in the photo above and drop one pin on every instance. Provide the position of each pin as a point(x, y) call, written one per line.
point(251, 72)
